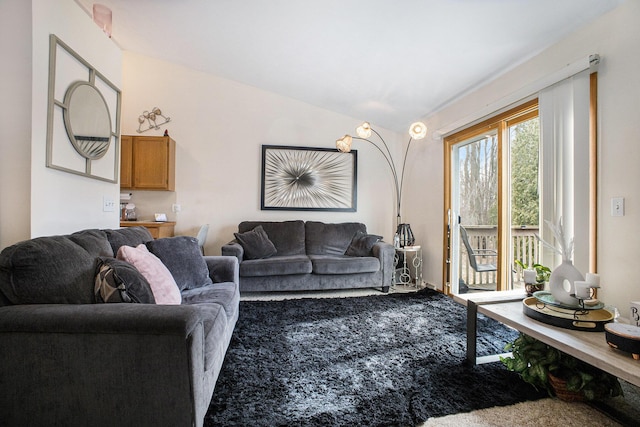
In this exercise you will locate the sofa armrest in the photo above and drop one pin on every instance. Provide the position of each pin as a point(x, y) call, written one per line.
point(99, 318)
point(223, 268)
point(73, 364)
point(233, 248)
point(385, 253)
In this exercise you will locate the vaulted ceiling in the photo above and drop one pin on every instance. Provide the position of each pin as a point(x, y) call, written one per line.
point(386, 61)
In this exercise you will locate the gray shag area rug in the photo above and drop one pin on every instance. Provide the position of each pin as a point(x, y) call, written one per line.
point(388, 360)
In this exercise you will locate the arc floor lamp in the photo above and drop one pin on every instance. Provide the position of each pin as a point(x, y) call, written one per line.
point(417, 130)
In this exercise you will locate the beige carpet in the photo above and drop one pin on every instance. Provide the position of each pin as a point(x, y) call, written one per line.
point(544, 412)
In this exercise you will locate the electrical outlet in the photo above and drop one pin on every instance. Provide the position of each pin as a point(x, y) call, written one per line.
point(108, 204)
point(617, 206)
point(176, 208)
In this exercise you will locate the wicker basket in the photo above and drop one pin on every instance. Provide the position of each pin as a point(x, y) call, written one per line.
point(560, 389)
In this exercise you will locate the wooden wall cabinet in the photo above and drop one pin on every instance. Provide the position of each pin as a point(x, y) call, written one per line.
point(126, 161)
point(147, 163)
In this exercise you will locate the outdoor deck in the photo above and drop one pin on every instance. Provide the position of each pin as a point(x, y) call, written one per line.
point(525, 248)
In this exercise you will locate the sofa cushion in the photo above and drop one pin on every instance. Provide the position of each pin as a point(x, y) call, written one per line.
point(330, 239)
point(119, 281)
point(275, 266)
point(362, 244)
point(342, 264)
point(53, 269)
point(256, 243)
point(183, 258)
point(226, 294)
point(129, 236)
point(93, 241)
point(286, 236)
point(164, 287)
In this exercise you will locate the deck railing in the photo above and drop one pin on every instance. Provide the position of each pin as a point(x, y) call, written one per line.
point(524, 245)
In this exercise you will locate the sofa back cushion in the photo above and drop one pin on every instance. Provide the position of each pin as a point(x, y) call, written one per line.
point(52, 270)
point(286, 236)
point(330, 239)
point(128, 236)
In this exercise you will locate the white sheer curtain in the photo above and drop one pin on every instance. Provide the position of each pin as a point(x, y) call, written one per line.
point(564, 131)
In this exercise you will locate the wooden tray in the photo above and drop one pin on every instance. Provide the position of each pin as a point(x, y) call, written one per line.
point(587, 320)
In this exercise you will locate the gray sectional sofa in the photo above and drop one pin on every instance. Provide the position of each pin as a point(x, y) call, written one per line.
point(66, 359)
point(312, 255)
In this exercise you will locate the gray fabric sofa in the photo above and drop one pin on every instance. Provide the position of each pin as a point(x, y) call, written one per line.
point(312, 255)
point(67, 360)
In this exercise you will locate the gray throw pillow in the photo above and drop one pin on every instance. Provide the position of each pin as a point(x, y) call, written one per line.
point(256, 244)
point(183, 258)
point(362, 244)
point(119, 281)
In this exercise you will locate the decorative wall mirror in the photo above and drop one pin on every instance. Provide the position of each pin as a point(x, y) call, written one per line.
point(83, 123)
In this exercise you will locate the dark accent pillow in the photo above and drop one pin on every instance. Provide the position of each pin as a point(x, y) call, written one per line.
point(362, 244)
point(183, 258)
point(256, 244)
point(119, 281)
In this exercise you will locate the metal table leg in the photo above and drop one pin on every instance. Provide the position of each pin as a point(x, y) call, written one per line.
point(472, 326)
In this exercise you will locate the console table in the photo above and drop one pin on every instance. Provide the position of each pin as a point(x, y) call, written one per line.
point(506, 307)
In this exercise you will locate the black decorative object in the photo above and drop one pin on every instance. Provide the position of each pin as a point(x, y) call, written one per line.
point(308, 179)
point(581, 319)
point(393, 360)
point(406, 235)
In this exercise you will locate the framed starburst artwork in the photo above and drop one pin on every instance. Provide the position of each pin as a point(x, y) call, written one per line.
point(308, 179)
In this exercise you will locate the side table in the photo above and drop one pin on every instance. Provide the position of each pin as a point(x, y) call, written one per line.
point(403, 269)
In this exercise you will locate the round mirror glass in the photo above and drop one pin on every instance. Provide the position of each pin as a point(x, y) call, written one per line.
point(87, 120)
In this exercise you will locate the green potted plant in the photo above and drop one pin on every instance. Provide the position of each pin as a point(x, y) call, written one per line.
point(560, 374)
point(542, 276)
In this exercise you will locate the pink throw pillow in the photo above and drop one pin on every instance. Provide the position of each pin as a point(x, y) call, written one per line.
point(164, 287)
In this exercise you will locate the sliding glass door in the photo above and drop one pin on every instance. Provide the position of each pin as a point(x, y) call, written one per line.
point(475, 212)
point(492, 191)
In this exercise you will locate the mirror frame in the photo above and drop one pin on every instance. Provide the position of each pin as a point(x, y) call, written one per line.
point(92, 149)
point(53, 139)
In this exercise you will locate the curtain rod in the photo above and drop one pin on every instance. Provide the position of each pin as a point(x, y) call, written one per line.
point(588, 62)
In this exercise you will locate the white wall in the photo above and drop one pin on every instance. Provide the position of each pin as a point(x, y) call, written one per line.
point(63, 202)
point(15, 120)
point(219, 127)
point(616, 37)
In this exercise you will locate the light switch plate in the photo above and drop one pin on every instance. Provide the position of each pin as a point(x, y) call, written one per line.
point(108, 204)
point(617, 206)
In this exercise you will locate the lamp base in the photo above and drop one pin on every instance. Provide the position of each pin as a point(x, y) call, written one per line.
point(406, 235)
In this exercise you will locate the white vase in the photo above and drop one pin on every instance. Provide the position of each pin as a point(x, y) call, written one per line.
point(565, 272)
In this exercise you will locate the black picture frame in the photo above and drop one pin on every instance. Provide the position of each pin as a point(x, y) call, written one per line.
point(308, 179)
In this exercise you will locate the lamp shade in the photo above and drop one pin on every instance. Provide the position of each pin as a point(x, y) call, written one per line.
point(418, 130)
point(344, 144)
point(364, 130)
point(406, 235)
